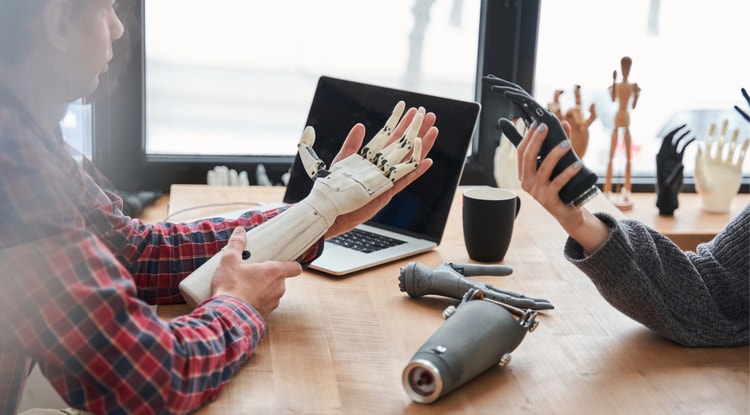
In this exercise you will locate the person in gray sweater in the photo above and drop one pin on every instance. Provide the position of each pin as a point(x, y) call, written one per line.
point(697, 299)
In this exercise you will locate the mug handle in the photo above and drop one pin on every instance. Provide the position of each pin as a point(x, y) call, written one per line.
point(518, 205)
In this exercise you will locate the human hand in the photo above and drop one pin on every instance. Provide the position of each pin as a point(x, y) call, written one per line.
point(260, 284)
point(426, 133)
point(669, 170)
point(536, 177)
point(578, 222)
point(718, 173)
point(356, 187)
point(580, 188)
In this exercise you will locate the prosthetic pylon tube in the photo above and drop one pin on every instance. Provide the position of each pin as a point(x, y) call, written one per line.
point(477, 336)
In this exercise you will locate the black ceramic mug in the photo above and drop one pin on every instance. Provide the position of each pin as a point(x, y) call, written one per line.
point(488, 216)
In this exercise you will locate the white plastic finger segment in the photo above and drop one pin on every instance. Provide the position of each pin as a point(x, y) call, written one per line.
point(310, 161)
point(396, 151)
point(724, 126)
point(373, 147)
point(400, 170)
point(710, 137)
point(394, 154)
point(307, 138)
point(733, 145)
point(416, 153)
point(722, 140)
point(743, 152)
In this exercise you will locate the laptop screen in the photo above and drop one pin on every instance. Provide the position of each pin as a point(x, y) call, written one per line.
point(422, 208)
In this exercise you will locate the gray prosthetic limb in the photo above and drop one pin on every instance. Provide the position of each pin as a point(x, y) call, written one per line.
point(477, 335)
point(450, 280)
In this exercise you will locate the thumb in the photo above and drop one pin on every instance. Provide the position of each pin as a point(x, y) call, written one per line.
point(698, 173)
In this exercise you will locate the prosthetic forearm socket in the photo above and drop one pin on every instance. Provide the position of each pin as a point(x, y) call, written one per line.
point(350, 184)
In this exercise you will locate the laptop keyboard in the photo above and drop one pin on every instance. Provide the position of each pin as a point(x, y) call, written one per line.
point(364, 241)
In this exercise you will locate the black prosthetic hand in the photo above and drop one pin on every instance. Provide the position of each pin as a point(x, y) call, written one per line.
point(669, 170)
point(582, 187)
point(744, 115)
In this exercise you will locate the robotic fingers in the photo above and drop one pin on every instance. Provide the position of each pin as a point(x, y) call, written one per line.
point(582, 187)
point(349, 185)
point(390, 160)
point(357, 179)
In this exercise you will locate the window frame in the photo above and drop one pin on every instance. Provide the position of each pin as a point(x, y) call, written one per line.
point(507, 46)
point(118, 148)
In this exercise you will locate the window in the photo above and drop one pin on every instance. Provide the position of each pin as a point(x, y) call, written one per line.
point(681, 61)
point(237, 91)
point(243, 83)
point(186, 100)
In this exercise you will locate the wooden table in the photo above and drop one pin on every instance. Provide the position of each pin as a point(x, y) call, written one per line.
point(338, 345)
point(690, 225)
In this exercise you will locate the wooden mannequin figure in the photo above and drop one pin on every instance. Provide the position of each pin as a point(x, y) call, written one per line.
point(622, 92)
point(579, 134)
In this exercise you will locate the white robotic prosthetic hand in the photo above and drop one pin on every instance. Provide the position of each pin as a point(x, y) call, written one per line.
point(350, 184)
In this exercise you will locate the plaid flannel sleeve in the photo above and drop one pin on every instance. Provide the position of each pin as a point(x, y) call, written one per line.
point(161, 255)
point(103, 349)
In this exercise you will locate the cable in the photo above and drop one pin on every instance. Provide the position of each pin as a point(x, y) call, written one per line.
point(166, 218)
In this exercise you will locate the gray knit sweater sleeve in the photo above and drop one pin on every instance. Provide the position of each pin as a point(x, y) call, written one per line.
point(694, 298)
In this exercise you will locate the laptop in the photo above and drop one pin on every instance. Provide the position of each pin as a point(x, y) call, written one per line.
point(414, 220)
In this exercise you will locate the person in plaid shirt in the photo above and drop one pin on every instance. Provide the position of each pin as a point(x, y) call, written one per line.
point(78, 275)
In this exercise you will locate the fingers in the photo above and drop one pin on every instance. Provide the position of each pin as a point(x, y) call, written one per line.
point(414, 175)
point(235, 245)
point(394, 153)
point(352, 143)
point(535, 175)
point(235, 251)
point(733, 146)
point(528, 151)
point(743, 152)
point(544, 173)
point(383, 137)
point(401, 128)
point(428, 139)
point(416, 122)
point(427, 123)
point(286, 269)
point(427, 133)
point(681, 153)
